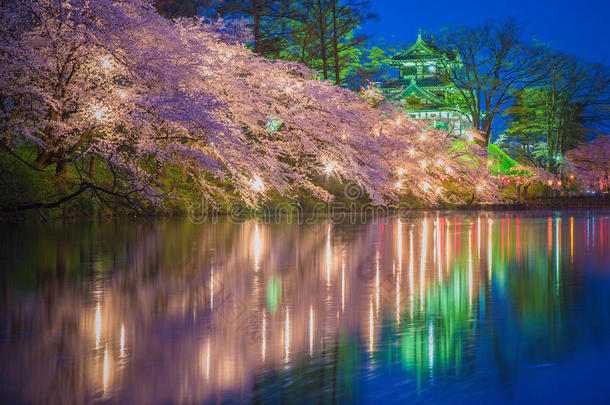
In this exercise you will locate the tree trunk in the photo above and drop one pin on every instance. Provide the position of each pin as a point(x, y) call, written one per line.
point(61, 168)
point(336, 46)
point(256, 29)
point(42, 160)
point(525, 193)
point(322, 35)
point(519, 193)
point(92, 166)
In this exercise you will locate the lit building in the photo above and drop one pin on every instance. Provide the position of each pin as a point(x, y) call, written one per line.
point(423, 90)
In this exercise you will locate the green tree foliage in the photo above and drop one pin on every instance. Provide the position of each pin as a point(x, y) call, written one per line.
point(569, 103)
point(180, 8)
point(325, 35)
point(494, 64)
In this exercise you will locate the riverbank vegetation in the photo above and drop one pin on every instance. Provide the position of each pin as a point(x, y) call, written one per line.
point(108, 108)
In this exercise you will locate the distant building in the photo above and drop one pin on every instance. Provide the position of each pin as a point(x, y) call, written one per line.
point(423, 91)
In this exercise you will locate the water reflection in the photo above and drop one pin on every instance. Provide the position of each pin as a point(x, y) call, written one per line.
point(176, 312)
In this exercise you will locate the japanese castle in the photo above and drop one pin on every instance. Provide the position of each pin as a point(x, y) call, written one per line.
point(422, 89)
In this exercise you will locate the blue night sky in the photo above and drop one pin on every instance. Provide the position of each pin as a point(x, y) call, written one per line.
point(580, 28)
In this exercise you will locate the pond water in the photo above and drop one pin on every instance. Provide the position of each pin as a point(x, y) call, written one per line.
point(508, 307)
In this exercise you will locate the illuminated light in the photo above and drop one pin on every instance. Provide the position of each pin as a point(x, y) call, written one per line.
point(448, 170)
point(122, 94)
point(376, 132)
point(99, 112)
point(426, 186)
point(398, 184)
point(459, 179)
point(490, 162)
point(439, 162)
point(479, 188)
point(329, 168)
point(559, 183)
point(257, 184)
point(98, 325)
point(507, 181)
point(344, 137)
point(424, 164)
point(398, 121)
point(549, 182)
point(122, 345)
point(288, 90)
point(400, 171)
point(106, 62)
point(411, 151)
point(438, 190)
point(422, 137)
point(571, 177)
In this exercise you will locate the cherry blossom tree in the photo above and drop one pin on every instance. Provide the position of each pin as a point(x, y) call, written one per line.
point(111, 85)
point(591, 163)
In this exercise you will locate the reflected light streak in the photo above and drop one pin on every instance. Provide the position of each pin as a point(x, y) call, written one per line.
point(98, 325)
point(431, 344)
point(422, 267)
point(489, 240)
point(399, 244)
point(342, 286)
point(328, 258)
point(264, 337)
point(502, 239)
point(439, 235)
point(398, 299)
point(557, 252)
point(572, 240)
point(447, 247)
point(212, 289)
point(508, 239)
point(549, 233)
point(470, 269)
point(371, 328)
point(106, 370)
point(518, 239)
point(377, 282)
point(122, 347)
point(310, 330)
point(479, 237)
point(257, 246)
point(207, 361)
point(287, 336)
point(411, 292)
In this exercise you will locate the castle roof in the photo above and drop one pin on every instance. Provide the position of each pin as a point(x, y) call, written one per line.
point(421, 50)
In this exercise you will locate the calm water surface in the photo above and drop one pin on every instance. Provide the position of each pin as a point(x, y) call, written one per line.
point(439, 307)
